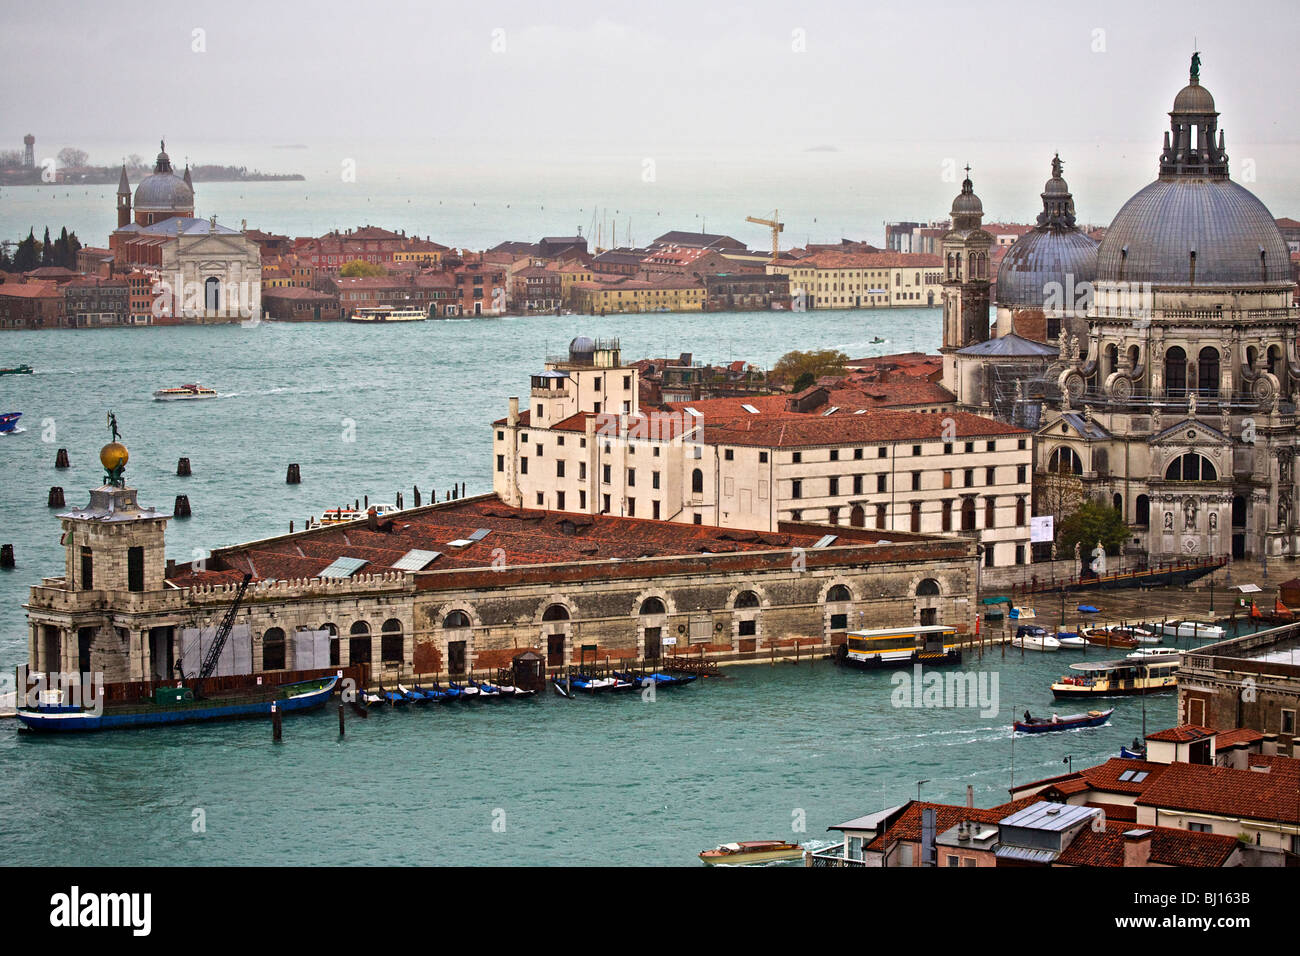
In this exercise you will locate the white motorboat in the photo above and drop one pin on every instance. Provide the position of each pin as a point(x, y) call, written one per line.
point(1070, 639)
point(1034, 638)
point(1144, 653)
point(1194, 630)
point(184, 393)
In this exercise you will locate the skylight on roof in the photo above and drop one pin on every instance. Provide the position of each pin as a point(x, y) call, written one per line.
point(480, 534)
point(860, 411)
point(1126, 775)
point(343, 568)
point(416, 560)
point(693, 412)
point(825, 541)
point(830, 411)
point(750, 408)
point(460, 543)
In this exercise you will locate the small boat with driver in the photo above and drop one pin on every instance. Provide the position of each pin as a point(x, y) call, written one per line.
point(1042, 725)
point(752, 851)
point(9, 421)
point(17, 370)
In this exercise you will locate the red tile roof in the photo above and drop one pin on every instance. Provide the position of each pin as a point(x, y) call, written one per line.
point(1182, 734)
point(1242, 735)
point(869, 260)
point(908, 826)
point(524, 537)
point(1169, 847)
point(1223, 791)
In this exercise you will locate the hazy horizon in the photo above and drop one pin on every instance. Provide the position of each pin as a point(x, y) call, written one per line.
point(842, 119)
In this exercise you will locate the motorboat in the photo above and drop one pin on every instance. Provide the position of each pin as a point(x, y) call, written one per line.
point(1041, 725)
point(1034, 638)
point(184, 393)
point(752, 851)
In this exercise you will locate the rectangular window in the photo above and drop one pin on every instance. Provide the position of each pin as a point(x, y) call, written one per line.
point(880, 517)
point(857, 454)
point(559, 501)
point(1021, 444)
point(654, 509)
point(916, 481)
point(834, 488)
point(1020, 474)
point(631, 507)
point(839, 622)
point(559, 469)
point(501, 462)
point(797, 457)
point(835, 454)
point(916, 450)
point(762, 458)
point(1020, 554)
point(87, 570)
point(947, 479)
point(988, 476)
point(523, 466)
point(882, 452)
point(605, 509)
point(728, 455)
point(604, 473)
point(541, 500)
point(582, 501)
point(631, 477)
point(857, 484)
point(654, 479)
point(969, 477)
point(135, 569)
point(796, 489)
point(882, 484)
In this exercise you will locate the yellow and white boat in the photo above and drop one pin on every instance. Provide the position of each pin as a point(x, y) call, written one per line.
point(752, 851)
point(386, 313)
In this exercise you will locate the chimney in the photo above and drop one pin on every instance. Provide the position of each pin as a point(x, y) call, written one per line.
point(512, 417)
point(1137, 848)
point(970, 795)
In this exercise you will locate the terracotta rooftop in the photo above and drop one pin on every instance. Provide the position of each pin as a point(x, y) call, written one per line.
point(1169, 847)
point(519, 536)
point(1182, 734)
point(1223, 791)
point(869, 260)
point(908, 826)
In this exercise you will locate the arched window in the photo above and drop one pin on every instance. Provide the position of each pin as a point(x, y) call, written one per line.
point(1020, 512)
point(1207, 372)
point(1065, 461)
point(927, 588)
point(1175, 372)
point(390, 643)
point(652, 605)
point(858, 517)
point(1142, 511)
point(697, 482)
point(968, 514)
point(1118, 502)
point(747, 599)
point(456, 619)
point(212, 294)
point(359, 643)
point(1191, 467)
point(556, 612)
point(838, 594)
point(1275, 360)
point(1112, 358)
point(334, 642)
point(945, 523)
point(273, 650)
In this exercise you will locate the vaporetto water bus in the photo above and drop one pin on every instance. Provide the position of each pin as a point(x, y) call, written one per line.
point(891, 646)
point(386, 313)
point(1149, 675)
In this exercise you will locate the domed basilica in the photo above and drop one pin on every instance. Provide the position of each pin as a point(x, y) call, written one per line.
point(1161, 377)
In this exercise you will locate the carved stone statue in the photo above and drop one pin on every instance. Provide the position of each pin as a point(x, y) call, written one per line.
point(1191, 404)
point(1189, 514)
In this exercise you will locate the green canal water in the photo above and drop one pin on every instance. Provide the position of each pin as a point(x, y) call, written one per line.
point(368, 412)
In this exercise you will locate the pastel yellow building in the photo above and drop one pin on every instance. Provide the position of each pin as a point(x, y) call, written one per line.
point(863, 280)
point(666, 293)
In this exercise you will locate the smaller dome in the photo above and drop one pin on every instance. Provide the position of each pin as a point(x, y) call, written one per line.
point(968, 203)
point(1193, 98)
point(581, 345)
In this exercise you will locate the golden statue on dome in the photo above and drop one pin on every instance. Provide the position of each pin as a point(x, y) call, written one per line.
point(114, 456)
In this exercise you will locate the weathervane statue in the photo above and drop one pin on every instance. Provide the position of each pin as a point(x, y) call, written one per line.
point(114, 455)
point(1196, 64)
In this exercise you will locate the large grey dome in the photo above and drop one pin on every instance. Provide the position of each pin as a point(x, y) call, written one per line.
point(1234, 237)
point(1039, 260)
point(163, 191)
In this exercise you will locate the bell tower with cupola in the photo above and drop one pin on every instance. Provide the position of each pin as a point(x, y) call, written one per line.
point(965, 249)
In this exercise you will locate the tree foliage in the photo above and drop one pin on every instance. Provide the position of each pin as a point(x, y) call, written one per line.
point(71, 156)
point(1090, 523)
point(806, 367)
point(360, 268)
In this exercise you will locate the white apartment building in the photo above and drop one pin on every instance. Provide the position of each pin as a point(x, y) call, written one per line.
point(863, 280)
point(586, 446)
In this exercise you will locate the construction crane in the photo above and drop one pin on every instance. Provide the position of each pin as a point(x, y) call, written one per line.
point(777, 228)
point(219, 639)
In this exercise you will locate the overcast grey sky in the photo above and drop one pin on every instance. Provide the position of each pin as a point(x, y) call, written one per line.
point(578, 75)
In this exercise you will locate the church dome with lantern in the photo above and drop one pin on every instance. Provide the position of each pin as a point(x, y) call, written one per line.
point(162, 194)
point(1194, 227)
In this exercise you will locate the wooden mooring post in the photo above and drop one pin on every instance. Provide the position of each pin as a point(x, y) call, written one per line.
point(276, 729)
